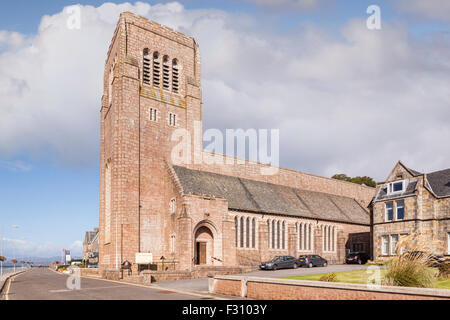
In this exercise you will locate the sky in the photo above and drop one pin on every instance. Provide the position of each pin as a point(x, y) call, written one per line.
point(346, 99)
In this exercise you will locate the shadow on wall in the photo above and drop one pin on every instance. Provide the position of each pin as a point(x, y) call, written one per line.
point(248, 258)
point(358, 242)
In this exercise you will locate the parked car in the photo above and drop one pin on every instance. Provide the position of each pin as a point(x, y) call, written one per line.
point(312, 260)
point(280, 262)
point(434, 261)
point(357, 257)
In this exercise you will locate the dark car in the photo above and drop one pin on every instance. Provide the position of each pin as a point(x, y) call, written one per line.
point(433, 261)
point(357, 257)
point(312, 260)
point(280, 262)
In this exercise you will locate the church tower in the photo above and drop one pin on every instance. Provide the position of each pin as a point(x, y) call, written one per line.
point(152, 87)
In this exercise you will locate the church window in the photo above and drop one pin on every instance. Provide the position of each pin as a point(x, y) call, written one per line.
point(166, 73)
point(153, 114)
point(156, 70)
point(241, 244)
point(175, 75)
point(172, 119)
point(247, 233)
point(253, 233)
point(146, 67)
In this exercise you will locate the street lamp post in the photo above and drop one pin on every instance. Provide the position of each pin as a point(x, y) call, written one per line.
point(15, 227)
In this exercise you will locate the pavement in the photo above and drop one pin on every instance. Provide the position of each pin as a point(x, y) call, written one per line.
point(201, 285)
point(45, 284)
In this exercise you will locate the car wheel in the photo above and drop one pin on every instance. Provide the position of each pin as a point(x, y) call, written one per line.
point(325, 264)
point(359, 261)
point(310, 265)
point(295, 266)
point(275, 267)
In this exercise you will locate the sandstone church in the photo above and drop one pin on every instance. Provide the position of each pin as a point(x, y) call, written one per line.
point(198, 215)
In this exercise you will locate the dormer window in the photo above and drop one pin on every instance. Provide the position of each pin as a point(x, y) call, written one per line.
point(395, 187)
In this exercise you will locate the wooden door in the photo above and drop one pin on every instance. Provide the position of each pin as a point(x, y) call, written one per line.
point(201, 252)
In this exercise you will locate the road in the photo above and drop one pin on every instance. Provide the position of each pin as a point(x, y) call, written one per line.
point(201, 285)
point(44, 284)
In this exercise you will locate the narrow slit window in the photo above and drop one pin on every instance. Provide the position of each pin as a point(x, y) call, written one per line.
point(153, 114)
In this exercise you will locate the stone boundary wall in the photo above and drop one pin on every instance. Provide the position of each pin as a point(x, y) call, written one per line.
point(284, 289)
point(159, 276)
point(86, 272)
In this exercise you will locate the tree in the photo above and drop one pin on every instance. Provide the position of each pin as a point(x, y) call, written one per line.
point(14, 261)
point(341, 176)
point(368, 181)
point(2, 258)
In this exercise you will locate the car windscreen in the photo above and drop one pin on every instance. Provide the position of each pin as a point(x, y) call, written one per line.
point(274, 259)
point(352, 255)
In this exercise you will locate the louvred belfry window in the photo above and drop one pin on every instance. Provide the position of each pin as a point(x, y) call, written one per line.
point(146, 67)
point(175, 76)
point(156, 70)
point(166, 73)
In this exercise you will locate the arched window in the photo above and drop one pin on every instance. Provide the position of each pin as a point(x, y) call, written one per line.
point(175, 75)
point(236, 224)
point(278, 234)
point(253, 233)
point(241, 244)
point(284, 235)
point(247, 233)
point(269, 233)
point(310, 237)
point(305, 237)
point(166, 73)
point(329, 238)
point(273, 234)
point(156, 70)
point(324, 238)
point(146, 65)
point(300, 231)
point(334, 239)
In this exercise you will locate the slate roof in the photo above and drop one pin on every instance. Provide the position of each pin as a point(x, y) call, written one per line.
point(440, 182)
point(263, 197)
point(89, 236)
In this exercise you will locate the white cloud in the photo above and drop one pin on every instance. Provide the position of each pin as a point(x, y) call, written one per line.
point(16, 165)
point(20, 249)
point(355, 104)
point(430, 9)
point(288, 4)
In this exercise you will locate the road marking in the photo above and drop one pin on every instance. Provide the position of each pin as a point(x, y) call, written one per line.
point(9, 284)
point(83, 289)
point(153, 287)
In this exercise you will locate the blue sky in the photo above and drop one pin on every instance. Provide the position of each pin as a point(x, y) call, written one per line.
point(54, 200)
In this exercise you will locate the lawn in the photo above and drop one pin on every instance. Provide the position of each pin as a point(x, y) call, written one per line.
point(360, 276)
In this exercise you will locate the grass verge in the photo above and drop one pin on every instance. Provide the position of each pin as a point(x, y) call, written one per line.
point(361, 276)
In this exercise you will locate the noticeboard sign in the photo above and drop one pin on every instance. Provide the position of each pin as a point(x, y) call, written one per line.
point(144, 258)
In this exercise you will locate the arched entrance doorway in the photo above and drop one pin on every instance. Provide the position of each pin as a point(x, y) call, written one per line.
point(203, 246)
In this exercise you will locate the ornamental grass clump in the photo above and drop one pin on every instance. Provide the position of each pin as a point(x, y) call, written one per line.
point(411, 266)
point(329, 277)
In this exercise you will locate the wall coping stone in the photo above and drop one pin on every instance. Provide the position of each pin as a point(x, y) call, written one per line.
point(342, 285)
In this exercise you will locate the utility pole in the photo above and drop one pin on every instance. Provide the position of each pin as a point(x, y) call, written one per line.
point(15, 227)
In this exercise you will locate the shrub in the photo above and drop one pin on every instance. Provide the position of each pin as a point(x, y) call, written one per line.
point(411, 269)
point(329, 277)
point(444, 269)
